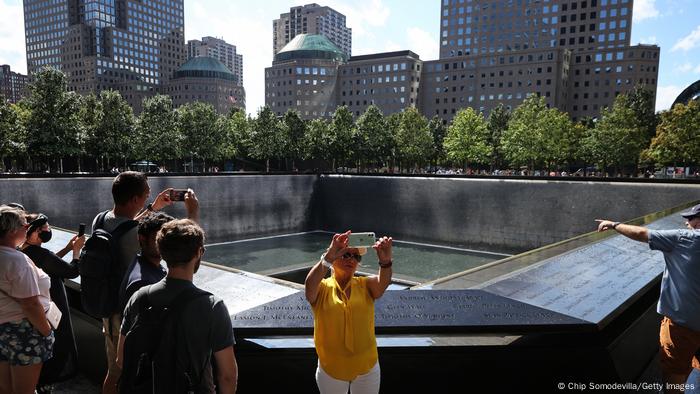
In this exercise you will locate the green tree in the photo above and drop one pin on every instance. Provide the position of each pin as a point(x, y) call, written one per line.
point(117, 126)
point(90, 115)
point(11, 132)
point(53, 124)
point(157, 134)
point(525, 142)
point(265, 136)
point(342, 131)
point(562, 139)
point(467, 136)
point(413, 140)
point(641, 101)
point(393, 123)
point(497, 125)
point(236, 131)
point(618, 138)
point(373, 140)
point(677, 140)
point(294, 129)
point(318, 140)
point(203, 135)
point(438, 131)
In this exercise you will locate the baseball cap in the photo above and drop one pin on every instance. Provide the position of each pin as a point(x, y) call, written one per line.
point(694, 211)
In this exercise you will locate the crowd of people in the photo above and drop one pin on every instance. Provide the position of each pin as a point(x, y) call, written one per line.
point(148, 306)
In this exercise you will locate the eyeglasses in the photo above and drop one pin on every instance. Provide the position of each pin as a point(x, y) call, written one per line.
point(352, 255)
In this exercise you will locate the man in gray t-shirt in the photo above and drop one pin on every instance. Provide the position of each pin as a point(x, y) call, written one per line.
point(679, 301)
point(205, 323)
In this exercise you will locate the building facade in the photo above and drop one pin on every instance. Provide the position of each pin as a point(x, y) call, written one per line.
point(218, 49)
point(575, 54)
point(390, 81)
point(303, 76)
point(128, 45)
point(312, 19)
point(590, 39)
point(13, 86)
point(206, 79)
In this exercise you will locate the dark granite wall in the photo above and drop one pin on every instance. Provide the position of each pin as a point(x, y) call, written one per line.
point(232, 207)
point(492, 214)
point(496, 214)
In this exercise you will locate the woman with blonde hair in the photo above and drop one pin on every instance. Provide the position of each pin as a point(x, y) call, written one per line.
point(26, 338)
point(343, 308)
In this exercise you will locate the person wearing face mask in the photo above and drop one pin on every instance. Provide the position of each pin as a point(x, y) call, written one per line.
point(63, 364)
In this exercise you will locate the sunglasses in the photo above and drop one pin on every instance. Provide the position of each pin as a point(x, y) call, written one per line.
point(348, 255)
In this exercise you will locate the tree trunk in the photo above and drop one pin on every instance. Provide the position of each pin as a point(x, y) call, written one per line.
point(267, 165)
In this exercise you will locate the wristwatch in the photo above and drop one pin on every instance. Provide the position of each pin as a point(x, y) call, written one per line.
point(325, 262)
point(615, 224)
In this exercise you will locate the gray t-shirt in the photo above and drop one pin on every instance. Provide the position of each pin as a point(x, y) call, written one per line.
point(680, 285)
point(129, 241)
point(205, 322)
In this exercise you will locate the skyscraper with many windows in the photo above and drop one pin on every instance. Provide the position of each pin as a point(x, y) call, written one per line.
point(133, 46)
point(312, 19)
point(220, 50)
point(575, 54)
point(13, 85)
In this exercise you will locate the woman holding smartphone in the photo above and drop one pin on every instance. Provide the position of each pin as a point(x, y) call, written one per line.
point(343, 308)
point(63, 364)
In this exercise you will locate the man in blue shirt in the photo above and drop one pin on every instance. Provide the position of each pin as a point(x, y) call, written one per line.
point(679, 301)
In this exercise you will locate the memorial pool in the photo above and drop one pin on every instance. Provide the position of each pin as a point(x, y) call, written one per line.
point(280, 255)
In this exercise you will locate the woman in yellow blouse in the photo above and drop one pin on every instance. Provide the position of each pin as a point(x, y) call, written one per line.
point(343, 307)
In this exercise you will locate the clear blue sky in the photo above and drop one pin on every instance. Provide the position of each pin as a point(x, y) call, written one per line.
point(386, 25)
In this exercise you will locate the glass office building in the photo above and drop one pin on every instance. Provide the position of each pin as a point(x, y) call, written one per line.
point(128, 45)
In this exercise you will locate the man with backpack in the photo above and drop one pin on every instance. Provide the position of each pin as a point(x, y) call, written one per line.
point(172, 330)
point(108, 252)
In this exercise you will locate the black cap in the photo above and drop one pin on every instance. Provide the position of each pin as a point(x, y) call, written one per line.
point(694, 211)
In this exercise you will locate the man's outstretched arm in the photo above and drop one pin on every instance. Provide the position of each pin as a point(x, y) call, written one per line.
point(636, 233)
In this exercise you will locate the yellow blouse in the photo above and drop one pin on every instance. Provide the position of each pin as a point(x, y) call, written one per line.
point(344, 329)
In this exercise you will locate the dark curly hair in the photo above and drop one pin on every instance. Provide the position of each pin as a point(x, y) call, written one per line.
point(151, 223)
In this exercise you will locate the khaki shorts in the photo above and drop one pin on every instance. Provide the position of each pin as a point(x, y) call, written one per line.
point(678, 347)
point(111, 342)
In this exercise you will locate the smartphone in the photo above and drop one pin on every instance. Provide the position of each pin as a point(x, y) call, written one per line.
point(178, 194)
point(81, 230)
point(361, 240)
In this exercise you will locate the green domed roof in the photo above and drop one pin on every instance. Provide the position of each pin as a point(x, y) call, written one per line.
point(310, 46)
point(204, 67)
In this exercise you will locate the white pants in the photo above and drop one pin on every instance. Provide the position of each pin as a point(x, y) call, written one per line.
point(363, 384)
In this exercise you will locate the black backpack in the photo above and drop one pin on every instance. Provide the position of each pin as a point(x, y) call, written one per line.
point(155, 357)
point(100, 268)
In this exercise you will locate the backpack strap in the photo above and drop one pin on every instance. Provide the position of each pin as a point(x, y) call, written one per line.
point(123, 228)
point(100, 222)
